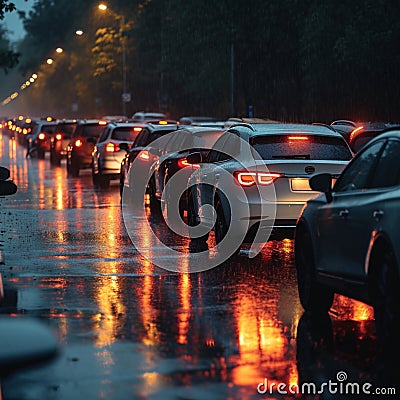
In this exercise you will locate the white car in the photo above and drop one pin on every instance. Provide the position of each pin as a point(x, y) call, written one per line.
point(108, 155)
point(256, 178)
point(347, 239)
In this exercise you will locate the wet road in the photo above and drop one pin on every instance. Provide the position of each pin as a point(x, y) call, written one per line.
point(131, 330)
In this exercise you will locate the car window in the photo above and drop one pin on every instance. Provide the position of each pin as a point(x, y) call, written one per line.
point(92, 130)
point(142, 139)
point(387, 172)
point(214, 154)
point(48, 128)
point(104, 135)
point(298, 146)
point(66, 128)
point(356, 175)
point(126, 133)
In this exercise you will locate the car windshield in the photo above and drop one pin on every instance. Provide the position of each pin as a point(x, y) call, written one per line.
point(92, 130)
point(48, 128)
point(299, 146)
point(66, 128)
point(127, 133)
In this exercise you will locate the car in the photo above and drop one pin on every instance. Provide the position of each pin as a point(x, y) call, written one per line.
point(142, 116)
point(344, 127)
point(255, 178)
point(107, 155)
point(140, 148)
point(38, 141)
point(81, 145)
point(60, 140)
point(174, 157)
point(210, 122)
point(364, 133)
point(346, 238)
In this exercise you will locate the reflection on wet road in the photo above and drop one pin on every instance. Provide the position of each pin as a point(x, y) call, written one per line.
point(132, 330)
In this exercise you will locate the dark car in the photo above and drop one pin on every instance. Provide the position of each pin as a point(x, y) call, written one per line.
point(38, 141)
point(60, 140)
point(142, 116)
point(347, 239)
point(139, 148)
point(210, 122)
point(80, 148)
point(180, 145)
point(366, 131)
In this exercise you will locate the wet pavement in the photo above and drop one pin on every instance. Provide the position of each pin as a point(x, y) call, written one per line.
point(130, 330)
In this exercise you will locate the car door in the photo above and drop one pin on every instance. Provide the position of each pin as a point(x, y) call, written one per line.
point(345, 224)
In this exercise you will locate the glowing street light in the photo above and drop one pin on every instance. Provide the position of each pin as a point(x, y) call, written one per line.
point(49, 61)
point(34, 76)
point(79, 32)
point(59, 50)
point(102, 7)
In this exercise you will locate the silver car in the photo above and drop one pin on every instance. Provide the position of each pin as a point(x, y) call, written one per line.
point(108, 155)
point(347, 239)
point(256, 177)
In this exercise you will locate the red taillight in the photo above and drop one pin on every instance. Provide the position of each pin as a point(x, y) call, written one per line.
point(355, 132)
point(298, 138)
point(255, 178)
point(58, 136)
point(137, 129)
point(78, 143)
point(183, 162)
point(111, 147)
point(144, 155)
point(42, 136)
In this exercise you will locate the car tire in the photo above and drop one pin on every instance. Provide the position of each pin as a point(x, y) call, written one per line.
point(387, 299)
point(103, 181)
point(40, 154)
point(55, 160)
point(314, 297)
point(72, 170)
point(95, 179)
point(192, 221)
point(155, 205)
point(221, 227)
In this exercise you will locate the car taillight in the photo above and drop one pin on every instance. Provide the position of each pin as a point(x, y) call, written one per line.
point(355, 132)
point(183, 162)
point(42, 136)
point(111, 147)
point(255, 178)
point(78, 143)
point(297, 138)
point(58, 136)
point(144, 155)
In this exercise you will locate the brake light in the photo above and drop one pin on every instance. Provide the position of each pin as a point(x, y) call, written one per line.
point(253, 178)
point(183, 162)
point(58, 136)
point(144, 155)
point(162, 122)
point(298, 138)
point(355, 132)
point(137, 129)
point(78, 143)
point(42, 136)
point(102, 122)
point(111, 147)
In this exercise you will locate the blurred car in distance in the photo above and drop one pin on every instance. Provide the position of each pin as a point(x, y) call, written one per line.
point(210, 122)
point(107, 154)
point(142, 116)
point(60, 140)
point(366, 131)
point(81, 145)
point(344, 127)
point(38, 140)
point(347, 238)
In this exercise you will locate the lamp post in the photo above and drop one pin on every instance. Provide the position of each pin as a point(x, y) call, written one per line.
point(125, 97)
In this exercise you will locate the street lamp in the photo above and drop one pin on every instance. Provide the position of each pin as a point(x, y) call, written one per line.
point(125, 96)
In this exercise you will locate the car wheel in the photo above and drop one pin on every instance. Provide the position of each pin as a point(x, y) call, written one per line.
point(387, 299)
point(155, 206)
point(55, 160)
point(104, 181)
point(95, 179)
point(313, 296)
point(192, 221)
point(72, 170)
point(221, 227)
point(40, 154)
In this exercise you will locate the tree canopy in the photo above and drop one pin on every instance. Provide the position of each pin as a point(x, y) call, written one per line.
point(297, 60)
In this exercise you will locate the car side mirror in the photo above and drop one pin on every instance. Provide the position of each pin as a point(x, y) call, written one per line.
point(124, 146)
point(322, 183)
point(194, 158)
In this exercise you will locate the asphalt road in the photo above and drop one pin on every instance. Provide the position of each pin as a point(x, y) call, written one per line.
point(130, 330)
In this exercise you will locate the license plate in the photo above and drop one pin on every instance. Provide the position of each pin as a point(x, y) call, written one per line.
point(300, 185)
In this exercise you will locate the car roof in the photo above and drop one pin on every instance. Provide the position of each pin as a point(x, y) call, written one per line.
point(287, 129)
point(393, 132)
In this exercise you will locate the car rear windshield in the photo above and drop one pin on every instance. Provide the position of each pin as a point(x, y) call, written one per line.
point(91, 130)
point(299, 146)
point(66, 128)
point(362, 139)
point(127, 133)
